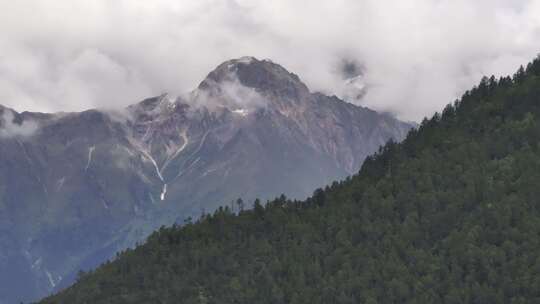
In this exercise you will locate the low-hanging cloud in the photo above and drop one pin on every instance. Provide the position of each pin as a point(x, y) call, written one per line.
point(9, 128)
point(415, 56)
point(227, 93)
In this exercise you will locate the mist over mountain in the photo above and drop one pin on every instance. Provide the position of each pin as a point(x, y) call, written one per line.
point(61, 55)
point(77, 187)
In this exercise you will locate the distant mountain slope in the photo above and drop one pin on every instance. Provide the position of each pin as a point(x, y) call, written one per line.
point(451, 215)
point(77, 187)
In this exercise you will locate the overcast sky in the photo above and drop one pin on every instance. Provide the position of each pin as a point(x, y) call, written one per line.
point(415, 55)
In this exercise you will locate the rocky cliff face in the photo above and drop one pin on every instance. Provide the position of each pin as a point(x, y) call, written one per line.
point(77, 187)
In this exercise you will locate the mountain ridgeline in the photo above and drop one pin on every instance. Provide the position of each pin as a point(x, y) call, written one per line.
point(450, 215)
point(75, 188)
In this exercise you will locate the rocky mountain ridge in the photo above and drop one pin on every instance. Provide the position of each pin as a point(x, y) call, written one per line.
point(77, 187)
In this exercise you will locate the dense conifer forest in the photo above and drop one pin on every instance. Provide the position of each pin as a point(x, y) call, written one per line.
point(451, 215)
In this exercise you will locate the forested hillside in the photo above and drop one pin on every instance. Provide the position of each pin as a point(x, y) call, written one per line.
point(451, 215)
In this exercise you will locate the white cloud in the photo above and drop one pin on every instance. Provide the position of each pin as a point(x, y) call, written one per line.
point(227, 93)
point(9, 128)
point(418, 55)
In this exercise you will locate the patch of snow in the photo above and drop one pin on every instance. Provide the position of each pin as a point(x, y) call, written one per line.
point(158, 170)
point(201, 143)
point(153, 161)
point(178, 151)
point(146, 135)
point(163, 192)
point(37, 263)
point(90, 152)
point(51, 279)
point(241, 112)
point(128, 151)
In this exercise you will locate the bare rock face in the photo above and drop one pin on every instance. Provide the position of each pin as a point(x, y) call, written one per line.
point(77, 187)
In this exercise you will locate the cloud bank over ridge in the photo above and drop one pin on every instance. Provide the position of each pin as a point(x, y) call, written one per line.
point(413, 56)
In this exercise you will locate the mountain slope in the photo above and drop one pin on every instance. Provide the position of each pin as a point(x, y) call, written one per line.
point(451, 215)
point(75, 188)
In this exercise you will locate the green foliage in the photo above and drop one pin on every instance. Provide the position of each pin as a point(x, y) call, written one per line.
point(451, 215)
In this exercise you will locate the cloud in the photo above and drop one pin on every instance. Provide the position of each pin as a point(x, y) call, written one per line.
point(227, 93)
point(9, 128)
point(415, 55)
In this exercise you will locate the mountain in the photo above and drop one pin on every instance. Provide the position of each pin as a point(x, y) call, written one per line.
point(75, 188)
point(450, 215)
